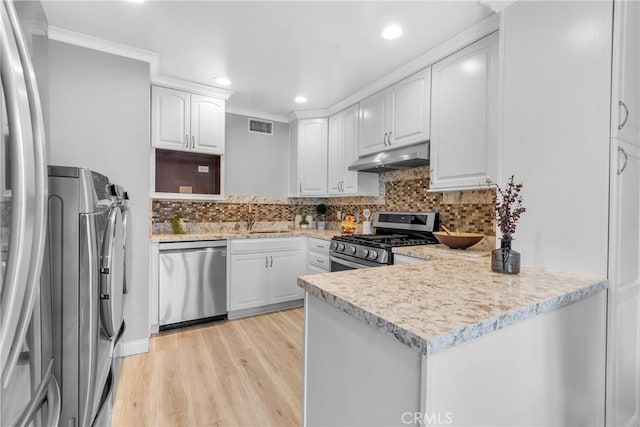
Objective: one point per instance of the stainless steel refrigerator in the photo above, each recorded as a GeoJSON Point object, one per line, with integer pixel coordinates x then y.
{"type": "Point", "coordinates": [29, 392]}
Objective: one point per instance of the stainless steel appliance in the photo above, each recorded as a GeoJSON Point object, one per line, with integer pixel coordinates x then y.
{"type": "Point", "coordinates": [85, 248]}
{"type": "Point", "coordinates": [393, 229]}
{"type": "Point", "coordinates": [193, 282]}
{"type": "Point", "coordinates": [29, 393]}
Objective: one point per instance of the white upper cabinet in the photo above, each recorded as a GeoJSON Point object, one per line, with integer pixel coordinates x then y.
{"type": "Point", "coordinates": [343, 151]}
{"type": "Point", "coordinates": [464, 117]}
{"type": "Point", "coordinates": [311, 156]}
{"type": "Point", "coordinates": [187, 122]}
{"type": "Point", "coordinates": [396, 116]}
{"type": "Point", "coordinates": [171, 126]}
{"type": "Point", "coordinates": [625, 120]}
{"type": "Point", "coordinates": [373, 124]}
{"type": "Point", "coordinates": [410, 103]}
{"type": "Point", "coordinates": [207, 124]}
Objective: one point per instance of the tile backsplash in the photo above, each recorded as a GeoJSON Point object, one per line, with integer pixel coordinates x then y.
{"type": "Point", "coordinates": [403, 191]}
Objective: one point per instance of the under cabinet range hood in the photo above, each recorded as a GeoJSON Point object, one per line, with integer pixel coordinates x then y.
{"type": "Point", "coordinates": [399, 158]}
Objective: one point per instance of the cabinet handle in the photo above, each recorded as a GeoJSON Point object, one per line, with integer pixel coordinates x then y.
{"type": "Point", "coordinates": [300, 188]}
{"type": "Point", "coordinates": [626, 115]}
{"type": "Point", "coordinates": [193, 142]}
{"type": "Point", "coordinates": [389, 139]}
{"type": "Point", "coordinates": [384, 139]}
{"type": "Point", "coordinates": [271, 262]}
{"type": "Point", "coordinates": [186, 141]}
{"type": "Point", "coordinates": [266, 262]}
{"type": "Point", "coordinates": [320, 246]}
{"type": "Point", "coordinates": [626, 159]}
{"type": "Point", "coordinates": [319, 261]}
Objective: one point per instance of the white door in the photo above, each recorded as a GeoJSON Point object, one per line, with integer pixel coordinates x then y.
{"type": "Point", "coordinates": [284, 269]}
{"type": "Point", "coordinates": [248, 286]}
{"type": "Point", "coordinates": [207, 124]}
{"type": "Point", "coordinates": [373, 124]}
{"type": "Point", "coordinates": [312, 157]}
{"type": "Point", "coordinates": [170, 119]}
{"type": "Point", "coordinates": [463, 116]}
{"type": "Point", "coordinates": [623, 376]}
{"type": "Point", "coordinates": [335, 161]}
{"type": "Point", "coordinates": [626, 71]}
{"type": "Point", "coordinates": [350, 150]}
{"type": "Point", "coordinates": [410, 109]}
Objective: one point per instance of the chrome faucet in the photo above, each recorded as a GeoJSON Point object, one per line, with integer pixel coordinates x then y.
{"type": "Point", "coordinates": [251, 218]}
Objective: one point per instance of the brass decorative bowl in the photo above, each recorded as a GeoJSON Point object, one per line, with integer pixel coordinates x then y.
{"type": "Point", "coordinates": [458, 239]}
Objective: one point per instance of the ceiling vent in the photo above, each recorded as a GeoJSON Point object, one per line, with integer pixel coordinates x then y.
{"type": "Point", "coordinates": [260, 126]}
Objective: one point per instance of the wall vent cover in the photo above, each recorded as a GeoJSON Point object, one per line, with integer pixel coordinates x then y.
{"type": "Point", "coordinates": [260, 126]}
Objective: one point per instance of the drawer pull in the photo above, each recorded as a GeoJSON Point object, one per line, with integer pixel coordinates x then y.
{"type": "Point", "coordinates": [320, 261]}
{"type": "Point", "coordinates": [320, 246]}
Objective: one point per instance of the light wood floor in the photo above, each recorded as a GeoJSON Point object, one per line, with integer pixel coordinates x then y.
{"type": "Point", "coordinates": [236, 373]}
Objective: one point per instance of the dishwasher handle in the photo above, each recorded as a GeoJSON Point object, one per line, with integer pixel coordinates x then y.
{"type": "Point", "coordinates": [193, 251]}
{"type": "Point", "coordinates": [204, 244]}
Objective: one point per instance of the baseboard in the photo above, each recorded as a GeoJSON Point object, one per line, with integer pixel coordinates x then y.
{"type": "Point", "coordinates": [238, 314]}
{"type": "Point", "coordinates": [129, 348]}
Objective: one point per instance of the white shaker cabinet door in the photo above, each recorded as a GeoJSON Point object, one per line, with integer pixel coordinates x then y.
{"type": "Point", "coordinates": [312, 157]}
{"type": "Point", "coordinates": [464, 117]}
{"type": "Point", "coordinates": [350, 150]}
{"type": "Point", "coordinates": [410, 110]}
{"type": "Point", "coordinates": [248, 286]}
{"type": "Point", "coordinates": [170, 119]}
{"type": "Point", "coordinates": [284, 269]}
{"type": "Point", "coordinates": [373, 124]}
{"type": "Point", "coordinates": [623, 370]}
{"type": "Point", "coordinates": [207, 124]}
{"type": "Point", "coordinates": [625, 121]}
{"type": "Point", "coordinates": [335, 162]}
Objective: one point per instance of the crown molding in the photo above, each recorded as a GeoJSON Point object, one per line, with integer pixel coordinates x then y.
{"type": "Point", "coordinates": [496, 6]}
{"type": "Point", "coordinates": [193, 87]}
{"type": "Point", "coordinates": [102, 45]}
{"type": "Point", "coordinates": [308, 114]}
{"type": "Point", "coordinates": [144, 55]}
{"type": "Point", "coordinates": [257, 114]}
{"type": "Point", "coordinates": [482, 29]}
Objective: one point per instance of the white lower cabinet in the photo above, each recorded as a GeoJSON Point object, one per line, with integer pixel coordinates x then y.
{"type": "Point", "coordinates": [263, 272]}
{"type": "Point", "coordinates": [318, 256]}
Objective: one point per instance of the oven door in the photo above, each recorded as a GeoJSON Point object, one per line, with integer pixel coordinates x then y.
{"type": "Point", "coordinates": [341, 262]}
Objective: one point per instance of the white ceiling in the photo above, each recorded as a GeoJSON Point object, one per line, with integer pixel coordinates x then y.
{"type": "Point", "coordinates": [273, 51]}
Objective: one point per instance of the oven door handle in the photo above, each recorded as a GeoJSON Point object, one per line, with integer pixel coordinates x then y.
{"type": "Point", "coordinates": [346, 263]}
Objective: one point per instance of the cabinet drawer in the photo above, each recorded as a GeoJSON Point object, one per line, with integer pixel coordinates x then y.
{"type": "Point", "coordinates": [319, 245]}
{"type": "Point", "coordinates": [319, 260]}
{"type": "Point", "coordinates": [240, 246]}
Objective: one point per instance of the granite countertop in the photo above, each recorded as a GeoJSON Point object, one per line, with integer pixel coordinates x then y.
{"type": "Point", "coordinates": [225, 235]}
{"type": "Point", "coordinates": [437, 252]}
{"type": "Point", "coordinates": [433, 306]}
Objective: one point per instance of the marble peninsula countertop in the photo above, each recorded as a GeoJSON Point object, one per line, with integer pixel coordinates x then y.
{"type": "Point", "coordinates": [432, 306]}
{"type": "Point", "coordinates": [226, 235]}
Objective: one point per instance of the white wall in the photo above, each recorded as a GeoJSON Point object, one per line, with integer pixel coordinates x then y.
{"type": "Point", "coordinates": [256, 164]}
{"type": "Point", "coordinates": [555, 129]}
{"type": "Point", "coordinates": [99, 118]}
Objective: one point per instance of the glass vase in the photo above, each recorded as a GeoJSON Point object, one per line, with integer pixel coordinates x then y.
{"type": "Point", "coordinates": [504, 259]}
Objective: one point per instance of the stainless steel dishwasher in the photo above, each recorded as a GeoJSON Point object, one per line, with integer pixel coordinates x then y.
{"type": "Point", "coordinates": [193, 282]}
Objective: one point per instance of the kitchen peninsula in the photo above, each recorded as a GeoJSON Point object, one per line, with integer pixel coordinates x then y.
{"type": "Point", "coordinates": [447, 341]}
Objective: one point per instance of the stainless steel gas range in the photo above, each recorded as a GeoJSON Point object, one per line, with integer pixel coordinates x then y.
{"type": "Point", "coordinates": [393, 229]}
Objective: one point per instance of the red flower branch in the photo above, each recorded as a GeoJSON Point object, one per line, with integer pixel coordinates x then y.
{"type": "Point", "coordinates": [508, 202]}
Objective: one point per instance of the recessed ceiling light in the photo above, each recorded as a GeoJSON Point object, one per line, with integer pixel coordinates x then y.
{"type": "Point", "coordinates": [391, 32]}
{"type": "Point", "coordinates": [137, 1]}
{"type": "Point", "coordinates": [223, 81]}
{"type": "Point", "coordinates": [300, 99]}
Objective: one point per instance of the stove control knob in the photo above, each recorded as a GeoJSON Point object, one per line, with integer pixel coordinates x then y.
{"type": "Point", "coordinates": [352, 249]}
{"type": "Point", "coordinates": [340, 247]}
{"type": "Point", "coordinates": [373, 254]}
{"type": "Point", "coordinates": [365, 252]}
{"type": "Point", "coordinates": [333, 246]}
